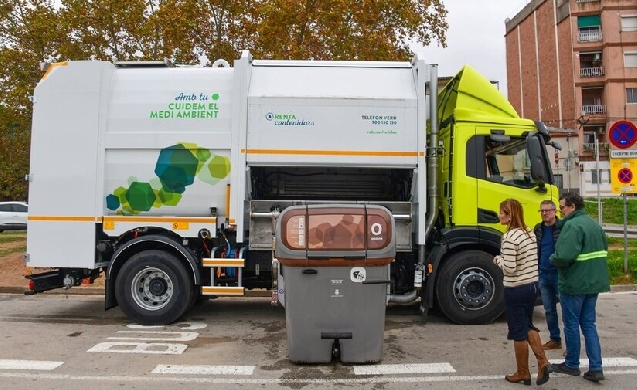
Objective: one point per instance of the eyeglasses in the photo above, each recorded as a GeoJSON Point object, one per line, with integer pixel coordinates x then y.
{"type": "Point", "coordinates": [562, 207]}
{"type": "Point", "coordinates": [545, 211]}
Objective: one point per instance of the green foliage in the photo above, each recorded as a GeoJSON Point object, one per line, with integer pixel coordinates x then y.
{"type": "Point", "coordinates": [619, 241]}
{"type": "Point", "coordinates": [616, 267]}
{"type": "Point", "coordinates": [613, 209]}
{"type": "Point", "coordinates": [13, 236]}
{"type": "Point", "coordinates": [34, 31]}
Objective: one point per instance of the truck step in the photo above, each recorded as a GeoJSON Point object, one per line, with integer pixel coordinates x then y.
{"type": "Point", "coordinates": [222, 291]}
{"type": "Point", "coordinates": [223, 262]}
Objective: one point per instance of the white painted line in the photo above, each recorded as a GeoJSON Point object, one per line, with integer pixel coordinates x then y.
{"type": "Point", "coordinates": [261, 381]}
{"type": "Point", "coordinates": [394, 369]}
{"type": "Point", "coordinates": [203, 370]}
{"type": "Point", "coordinates": [160, 336]}
{"type": "Point", "coordinates": [9, 364]}
{"type": "Point", "coordinates": [152, 348]}
{"type": "Point", "coordinates": [606, 362]}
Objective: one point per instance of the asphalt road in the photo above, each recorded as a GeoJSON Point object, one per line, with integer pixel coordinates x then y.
{"type": "Point", "coordinates": [53, 341]}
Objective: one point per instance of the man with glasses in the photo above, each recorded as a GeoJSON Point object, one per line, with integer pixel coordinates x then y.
{"type": "Point", "coordinates": [547, 234]}
{"type": "Point", "coordinates": [580, 258]}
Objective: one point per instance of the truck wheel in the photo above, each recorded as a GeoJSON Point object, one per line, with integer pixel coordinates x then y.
{"type": "Point", "coordinates": [469, 288]}
{"type": "Point", "coordinates": [154, 288]}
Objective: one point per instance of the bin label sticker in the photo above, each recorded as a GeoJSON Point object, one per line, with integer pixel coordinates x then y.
{"type": "Point", "coordinates": [357, 274]}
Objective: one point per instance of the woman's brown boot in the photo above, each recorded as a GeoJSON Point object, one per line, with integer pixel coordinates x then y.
{"type": "Point", "coordinates": [542, 361]}
{"type": "Point", "coordinates": [522, 359]}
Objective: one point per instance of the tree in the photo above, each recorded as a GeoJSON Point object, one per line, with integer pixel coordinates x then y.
{"type": "Point", "coordinates": [27, 36]}
{"type": "Point", "coordinates": [106, 29]}
{"type": "Point", "coordinates": [347, 29]}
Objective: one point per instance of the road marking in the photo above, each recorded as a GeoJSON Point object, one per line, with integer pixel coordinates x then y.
{"type": "Point", "coordinates": [606, 362]}
{"type": "Point", "coordinates": [154, 348]}
{"type": "Point", "coordinates": [203, 370]}
{"type": "Point", "coordinates": [9, 364]}
{"type": "Point", "coordinates": [162, 336]}
{"type": "Point", "coordinates": [393, 369]}
{"type": "Point", "coordinates": [285, 382]}
{"type": "Point", "coordinates": [183, 325]}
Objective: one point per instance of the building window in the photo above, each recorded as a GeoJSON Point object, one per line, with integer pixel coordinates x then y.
{"type": "Point", "coordinates": [590, 28]}
{"type": "Point", "coordinates": [558, 179]}
{"type": "Point", "coordinates": [604, 173]}
{"type": "Point", "coordinates": [630, 59]}
{"type": "Point", "coordinates": [629, 23]}
{"type": "Point", "coordinates": [631, 95]}
{"type": "Point", "coordinates": [591, 64]}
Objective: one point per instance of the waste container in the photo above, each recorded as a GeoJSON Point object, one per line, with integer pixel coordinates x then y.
{"type": "Point", "coordinates": [335, 266]}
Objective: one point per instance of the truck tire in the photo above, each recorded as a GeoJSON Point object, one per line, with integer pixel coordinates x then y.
{"type": "Point", "coordinates": [469, 289]}
{"type": "Point", "coordinates": [154, 288]}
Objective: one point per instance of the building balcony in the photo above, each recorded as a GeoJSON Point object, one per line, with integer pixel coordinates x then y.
{"type": "Point", "coordinates": [588, 148]}
{"type": "Point", "coordinates": [591, 72]}
{"type": "Point", "coordinates": [589, 36]}
{"type": "Point", "coordinates": [594, 109]}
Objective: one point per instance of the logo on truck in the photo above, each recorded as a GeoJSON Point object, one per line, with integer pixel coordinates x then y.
{"type": "Point", "coordinates": [190, 105]}
{"type": "Point", "coordinates": [176, 168]}
{"type": "Point", "coordinates": [287, 120]}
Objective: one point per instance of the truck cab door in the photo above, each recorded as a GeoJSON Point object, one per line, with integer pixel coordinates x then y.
{"type": "Point", "coordinates": [503, 171]}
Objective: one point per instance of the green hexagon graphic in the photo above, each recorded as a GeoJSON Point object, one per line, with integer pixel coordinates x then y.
{"type": "Point", "coordinates": [219, 167]}
{"type": "Point", "coordinates": [176, 168]}
{"type": "Point", "coordinates": [140, 196]}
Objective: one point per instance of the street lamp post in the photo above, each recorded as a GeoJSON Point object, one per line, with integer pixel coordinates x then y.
{"type": "Point", "coordinates": [599, 201]}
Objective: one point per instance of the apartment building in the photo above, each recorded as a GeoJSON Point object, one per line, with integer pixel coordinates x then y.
{"type": "Point", "coordinates": [573, 65]}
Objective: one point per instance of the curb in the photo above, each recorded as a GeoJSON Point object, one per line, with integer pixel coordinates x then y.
{"type": "Point", "coordinates": [623, 287]}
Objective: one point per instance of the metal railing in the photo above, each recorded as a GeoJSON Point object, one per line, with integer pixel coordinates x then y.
{"type": "Point", "coordinates": [590, 147]}
{"type": "Point", "coordinates": [589, 36]}
{"type": "Point", "coordinates": [587, 1]}
{"type": "Point", "coordinates": [594, 109]}
{"type": "Point", "coordinates": [592, 72]}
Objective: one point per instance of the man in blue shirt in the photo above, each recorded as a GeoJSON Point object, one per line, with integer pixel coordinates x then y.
{"type": "Point", "coordinates": [547, 233]}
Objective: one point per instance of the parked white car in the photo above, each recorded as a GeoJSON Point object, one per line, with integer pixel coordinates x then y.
{"type": "Point", "coordinates": [13, 216]}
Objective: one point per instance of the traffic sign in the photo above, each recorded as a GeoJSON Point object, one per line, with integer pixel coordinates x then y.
{"type": "Point", "coordinates": [617, 153]}
{"type": "Point", "coordinates": [622, 174]}
{"type": "Point", "coordinates": [625, 175]}
{"type": "Point", "coordinates": [622, 134]}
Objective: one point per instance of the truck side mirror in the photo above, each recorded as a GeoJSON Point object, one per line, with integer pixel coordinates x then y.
{"type": "Point", "coordinates": [536, 151]}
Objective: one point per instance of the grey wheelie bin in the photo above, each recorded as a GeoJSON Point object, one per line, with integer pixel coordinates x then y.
{"type": "Point", "coordinates": [335, 266]}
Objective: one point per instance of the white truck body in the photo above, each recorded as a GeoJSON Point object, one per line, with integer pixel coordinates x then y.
{"type": "Point", "coordinates": [265, 113]}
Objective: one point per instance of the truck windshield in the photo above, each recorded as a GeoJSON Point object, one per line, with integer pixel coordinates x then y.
{"type": "Point", "coordinates": [508, 162]}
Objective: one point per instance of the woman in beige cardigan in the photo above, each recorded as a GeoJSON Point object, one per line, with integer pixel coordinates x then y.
{"type": "Point", "coordinates": [518, 261]}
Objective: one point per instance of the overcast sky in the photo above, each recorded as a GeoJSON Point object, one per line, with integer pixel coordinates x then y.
{"type": "Point", "coordinates": [475, 37]}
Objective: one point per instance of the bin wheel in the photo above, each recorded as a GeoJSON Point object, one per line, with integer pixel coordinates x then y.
{"type": "Point", "coordinates": [154, 288]}
{"type": "Point", "coordinates": [336, 350]}
{"type": "Point", "coordinates": [469, 288]}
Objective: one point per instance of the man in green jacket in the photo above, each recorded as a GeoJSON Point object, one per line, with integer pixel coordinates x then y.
{"type": "Point", "coordinates": [580, 258]}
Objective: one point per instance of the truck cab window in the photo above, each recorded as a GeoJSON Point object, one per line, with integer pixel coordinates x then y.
{"type": "Point", "coordinates": [500, 162]}
{"type": "Point", "coordinates": [508, 162]}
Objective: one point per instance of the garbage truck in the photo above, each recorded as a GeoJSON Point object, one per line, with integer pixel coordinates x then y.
{"type": "Point", "coordinates": [169, 180]}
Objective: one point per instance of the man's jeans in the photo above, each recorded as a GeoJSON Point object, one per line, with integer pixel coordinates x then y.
{"type": "Point", "coordinates": [579, 311]}
{"type": "Point", "coordinates": [548, 289]}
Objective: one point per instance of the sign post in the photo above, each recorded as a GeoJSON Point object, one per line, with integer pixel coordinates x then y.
{"type": "Point", "coordinates": [623, 135]}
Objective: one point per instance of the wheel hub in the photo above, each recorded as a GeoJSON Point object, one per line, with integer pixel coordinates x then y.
{"type": "Point", "coordinates": [473, 288]}
{"type": "Point", "coordinates": [152, 288]}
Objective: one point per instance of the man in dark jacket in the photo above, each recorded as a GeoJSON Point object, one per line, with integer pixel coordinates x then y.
{"type": "Point", "coordinates": [547, 234]}
{"type": "Point", "coordinates": [580, 258]}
